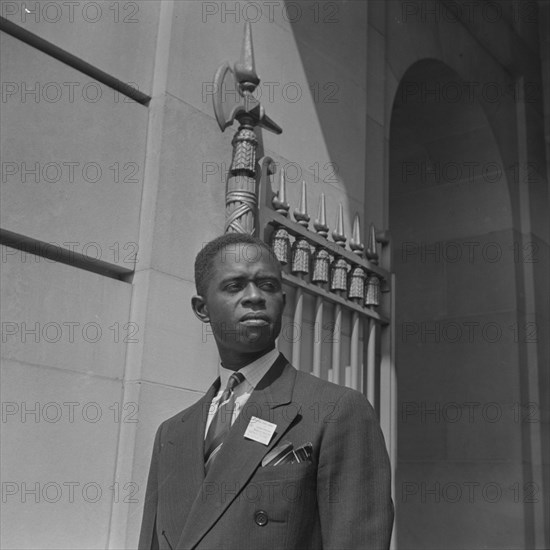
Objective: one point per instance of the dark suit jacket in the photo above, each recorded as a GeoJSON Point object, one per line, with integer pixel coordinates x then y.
{"type": "Point", "coordinates": [339, 501]}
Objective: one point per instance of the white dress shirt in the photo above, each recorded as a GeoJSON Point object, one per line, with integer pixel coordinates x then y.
{"type": "Point", "coordinates": [253, 373]}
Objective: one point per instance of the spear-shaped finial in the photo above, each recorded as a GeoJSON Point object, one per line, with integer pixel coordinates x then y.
{"type": "Point", "coordinates": [279, 200]}
{"type": "Point", "coordinates": [355, 243]}
{"type": "Point", "coordinates": [357, 274]}
{"type": "Point", "coordinates": [301, 250]}
{"type": "Point", "coordinates": [233, 87]}
{"type": "Point", "coordinates": [245, 68]}
{"type": "Point", "coordinates": [339, 271]}
{"type": "Point", "coordinates": [372, 253]}
{"type": "Point", "coordinates": [321, 257]}
{"type": "Point", "coordinates": [300, 214]}
{"type": "Point", "coordinates": [320, 223]}
{"type": "Point", "coordinates": [338, 234]}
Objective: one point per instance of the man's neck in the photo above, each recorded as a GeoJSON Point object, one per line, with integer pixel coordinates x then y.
{"type": "Point", "coordinates": [234, 363]}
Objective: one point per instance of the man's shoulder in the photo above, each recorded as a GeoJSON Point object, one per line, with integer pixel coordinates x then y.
{"type": "Point", "coordinates": [343, 402]}
{"type": "Point", "coordinates": [182, 415]}
{"type": "Point", "coordinates": [310, 385]}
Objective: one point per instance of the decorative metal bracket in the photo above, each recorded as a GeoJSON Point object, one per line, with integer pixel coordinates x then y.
{"type": "Point", "coordinates": [233, 100]}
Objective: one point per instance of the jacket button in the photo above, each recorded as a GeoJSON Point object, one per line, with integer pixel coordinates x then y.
{"type": "Point", "coordinates": [260, 518]}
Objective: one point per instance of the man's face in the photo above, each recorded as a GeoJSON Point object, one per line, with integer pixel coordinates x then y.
{"type": "Point", "coordinates": [244, 302]}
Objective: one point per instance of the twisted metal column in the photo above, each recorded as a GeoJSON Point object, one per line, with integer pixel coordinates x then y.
{"type": "Point", "coordinates": [241, 199]}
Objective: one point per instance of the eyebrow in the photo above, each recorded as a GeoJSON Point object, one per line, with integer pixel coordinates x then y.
{"type": "Point", "coordinates": [256, 277]}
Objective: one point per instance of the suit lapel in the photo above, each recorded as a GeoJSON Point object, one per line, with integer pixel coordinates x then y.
{"type": "Point", "coordinates": [184, 464]}
{"type": "Point", "coordinates": [239, 457]}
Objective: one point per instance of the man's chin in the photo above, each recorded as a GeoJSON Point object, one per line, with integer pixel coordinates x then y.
{"type": "Point", "coordinates": [255, 342]}
{"type": "Point", "coordinates": [250, 338]}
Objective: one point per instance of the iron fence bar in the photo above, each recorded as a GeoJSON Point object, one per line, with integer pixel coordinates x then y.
{"type": "Point", "coordinates": [334, 298]}
{"type": "Point", "coordinates": [336, 340]}
{"type": "Point", "coordinates": [298, 319]}
{"type": "Point", "coordinates": [318, 336]}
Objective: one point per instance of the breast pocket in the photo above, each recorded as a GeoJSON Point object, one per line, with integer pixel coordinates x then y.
{"type": "Point", "coordinates": [285, 471]}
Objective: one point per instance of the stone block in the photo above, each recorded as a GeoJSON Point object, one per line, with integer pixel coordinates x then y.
{"type": "Point", "coordinates": [61, 429]}
{"type": "Point", "coordinates": [179, 350]}
{"type": "Point", "coordinates": [484, 257]}
{"type": "Point", "coordinates": [377, 15]}
{"type": "Point", "coordinates": [457, 211]}
{"type": "Point", "coordinates": [454, 502]}
{"type": "Point", "coordinates": [157, 403]}
{"type": "Point", "coordinates": [73, 158]}
{"type": "Point", "coordinates": [376, 89]}
{"type": "Point", "coordinates": [127, 28]}
{"type": "Point", "coordinates": [195, 158]}
{"type": "Point", "coordinates": [65, 318]}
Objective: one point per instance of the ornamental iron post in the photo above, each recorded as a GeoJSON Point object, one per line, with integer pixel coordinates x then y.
{"type": "Point", "coordinates": [233, 100]}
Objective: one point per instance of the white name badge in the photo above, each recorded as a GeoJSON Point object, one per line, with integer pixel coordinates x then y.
{"type": "Point", "coordinates": [260, 430]}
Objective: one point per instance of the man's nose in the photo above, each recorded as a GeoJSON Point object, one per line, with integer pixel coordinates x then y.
{"type": "Point", "coordinates": [253, 294]}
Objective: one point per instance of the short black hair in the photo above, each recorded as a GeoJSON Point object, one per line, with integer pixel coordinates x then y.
{"type": "Point", "coordinates": [204, 262]}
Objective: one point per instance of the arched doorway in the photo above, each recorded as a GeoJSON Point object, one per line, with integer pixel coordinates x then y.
{"type": "Point", "coordinates": [460, 482]}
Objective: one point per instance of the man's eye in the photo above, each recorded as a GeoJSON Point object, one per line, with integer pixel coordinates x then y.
{"type": "Point", "coordinates": [269, 285]}
{"type": "Point", "coordinates": [233, 287]}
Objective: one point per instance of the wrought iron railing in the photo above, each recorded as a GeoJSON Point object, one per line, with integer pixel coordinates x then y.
{"type": "Point", "coordinates": [350, 280]}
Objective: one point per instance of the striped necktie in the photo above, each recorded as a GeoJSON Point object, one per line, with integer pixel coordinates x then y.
{"type": "Point", "coordinates": [221, 422]}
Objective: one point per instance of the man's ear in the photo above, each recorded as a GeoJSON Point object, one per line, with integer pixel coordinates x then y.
{"type": "Point", "coordinates": [200, 309]}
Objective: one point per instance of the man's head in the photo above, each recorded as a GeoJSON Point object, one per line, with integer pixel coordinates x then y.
{"type": "Point", "coordinates": [254, 249]}
{"type": "Point", "coordinates": [240, 294]}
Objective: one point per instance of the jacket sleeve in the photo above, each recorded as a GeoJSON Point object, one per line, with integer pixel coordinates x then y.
{"type": "Point", "coordinates": [148, 539]}
{"type": "Point", "coordinates": [354, 478]}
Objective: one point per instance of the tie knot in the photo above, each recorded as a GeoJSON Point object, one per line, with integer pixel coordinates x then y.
{"type": "Point", "coordinates": [234, 380]}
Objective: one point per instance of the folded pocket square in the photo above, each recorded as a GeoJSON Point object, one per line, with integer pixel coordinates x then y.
{"type": "Point", "coordinates": [273, 457]}
{"type": "Point", "coordinates": [286, 454]}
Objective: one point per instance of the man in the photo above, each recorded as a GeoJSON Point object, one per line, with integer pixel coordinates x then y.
{"type": "Point", "coordinates": [297, 462]}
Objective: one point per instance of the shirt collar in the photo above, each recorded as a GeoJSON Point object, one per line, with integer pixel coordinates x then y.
{"type": "Point", "coordinates": [253, 372]}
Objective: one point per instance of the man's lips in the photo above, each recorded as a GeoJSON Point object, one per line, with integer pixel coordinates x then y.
{"type": "Point", "coordinates": [255, 319]}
